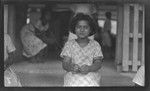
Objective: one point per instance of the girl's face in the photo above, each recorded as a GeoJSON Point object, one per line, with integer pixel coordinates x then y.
{"type": "Point", "coordinates": [82, 29]}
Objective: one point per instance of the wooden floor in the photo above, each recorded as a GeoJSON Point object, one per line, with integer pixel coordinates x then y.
{"type": "Point", "coordinates": [51, 73]}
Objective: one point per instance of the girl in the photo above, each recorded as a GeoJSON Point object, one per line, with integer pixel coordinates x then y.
{"type": "Point", "coordinates": [10, 78]}
{"type": "Point", "coordinates": [82, 56]}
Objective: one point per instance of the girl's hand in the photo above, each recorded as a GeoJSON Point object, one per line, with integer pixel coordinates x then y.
{"type": "Point", "coordinates": [75, 68]}
{"type": "Point", "coordinates": [84, 69]}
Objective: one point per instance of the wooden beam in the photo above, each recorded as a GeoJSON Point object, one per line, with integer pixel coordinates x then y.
{"type": "Point", "coordinates": [5, 18]}
{"type": "Point", "coordinates": [11, 22]}
{"type": "Point", "coordinates": [135, 37]}
{"type": "Point", "coordinates": [139, 35]}
{"type": "Point", "coordinates": [130, 62]}
{"type": "Point", "coordinates": [118, 57]}
{"type": "Point", "coordinates": [143, 41]}
{"type": "Point", "coordinates": [126, 38]}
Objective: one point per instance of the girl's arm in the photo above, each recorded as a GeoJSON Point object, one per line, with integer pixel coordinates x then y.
{"type": "Point", "coordinates": [69, 66]}
{"type": "Point", "coordinates": [97, 64]}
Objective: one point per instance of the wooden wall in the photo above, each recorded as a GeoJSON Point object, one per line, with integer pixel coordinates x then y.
{"type": "Point", "coordinates": [5, 18]}
{"type": "Point", "coordinates": [133, 37]}
{"type": "Point", "coordinates": [11, 22]}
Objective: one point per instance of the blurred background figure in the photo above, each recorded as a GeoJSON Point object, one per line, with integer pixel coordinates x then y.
{"type": "Point", "coordinates": [46, 32]}
{"type": "Point", "coordinates": [33, 46]}
{"type": "Point", "coordinates": [106, 36]}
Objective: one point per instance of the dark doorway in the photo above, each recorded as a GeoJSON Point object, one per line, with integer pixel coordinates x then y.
{"type": "Point", "coordinates": [60, 24]}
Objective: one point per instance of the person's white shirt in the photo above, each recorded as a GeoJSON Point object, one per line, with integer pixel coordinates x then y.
{"type": "Point", "coordinates": [8, 46]}
{"type": "Point", "coordinates": [32, 45]}
{"type": "Point", "coordinates": [140, 76]}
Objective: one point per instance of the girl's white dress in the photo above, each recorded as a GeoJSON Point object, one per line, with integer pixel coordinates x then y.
{"type": "Point", "coordinates": [82, 56]}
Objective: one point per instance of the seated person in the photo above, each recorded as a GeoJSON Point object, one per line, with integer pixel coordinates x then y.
{"type": "Point", "coordinates": [139, 78]}
{"type": "Point", "coordinates": [10, 78]}
{"type": "Point", "coordinates": [33, 46]}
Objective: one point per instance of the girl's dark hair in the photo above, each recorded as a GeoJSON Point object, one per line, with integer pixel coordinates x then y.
{"type": "Point", "coordinates": [79, 17]}
{"type": "Point", "coordinates": [108, 15]}
{"type": "Point", "coordinates": [44, 12]}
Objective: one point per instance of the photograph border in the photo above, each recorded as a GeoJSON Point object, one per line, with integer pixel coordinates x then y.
{"type": "Point", "coordinates": [124, 88]}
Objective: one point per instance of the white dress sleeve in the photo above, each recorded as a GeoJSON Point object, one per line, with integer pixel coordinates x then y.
{"type": "Point", "coordinates": [71, 36]}
{"type": "Point", "coordinates": [98, 52]}
{"type": "Point", "coordinates": [66, 51]}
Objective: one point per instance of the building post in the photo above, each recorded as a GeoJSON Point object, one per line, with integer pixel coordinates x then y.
{"type": "Point", "coordinates": [11, 22]}
{"type": "Point", "coordinates": [118, 59]}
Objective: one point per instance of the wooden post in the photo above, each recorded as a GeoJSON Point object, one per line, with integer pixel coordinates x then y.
{"type": "Point", "coordinates": [143, 41]}
{"type": "Point", "coordinates": [126, 38]}
{"type": "Point", "coordinates": [5, 18]}
{"type": "Point", "coordinates": [118, 59]}
{"type": "Point", "coordinates": [11, 22]}
{"type": "Point", "coordinates": [133, 30]}
{"type": "Point", "coordinates": [135, 38]}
